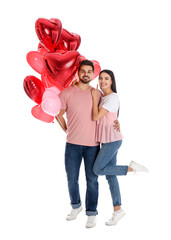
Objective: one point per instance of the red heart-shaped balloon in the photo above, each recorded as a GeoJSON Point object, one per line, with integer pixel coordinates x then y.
{"type": "Point", "coordinates": [62, 67]}
{"type": "Point", "coordinates": [69, 41]}
{"type": "Point", "coordinates": [49, 32]}
{"type": "Point", "coordinates": [48, 81]}
{"type": "Point", "coordinates": [38, 113]}
{"type": "Point", "coordinates": [35, 59]}
{"type": "Point", "coordinates": [34, 88]}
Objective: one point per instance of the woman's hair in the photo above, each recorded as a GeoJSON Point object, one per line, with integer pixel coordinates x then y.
{"type": "Point", "coordinates": [111, 74]}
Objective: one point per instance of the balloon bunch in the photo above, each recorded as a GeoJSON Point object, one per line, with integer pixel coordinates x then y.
{"type": "Point", "coordinates": [57, 60]}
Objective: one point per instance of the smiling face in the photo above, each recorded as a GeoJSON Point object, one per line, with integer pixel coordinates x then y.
{"type": "Point", "coordinates": [85, 74]}
{"type": "Point", "coordinates": [105, 81]}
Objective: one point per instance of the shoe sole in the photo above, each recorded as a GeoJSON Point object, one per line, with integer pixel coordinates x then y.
{"type": "Point", "coordinates": [91, 226]}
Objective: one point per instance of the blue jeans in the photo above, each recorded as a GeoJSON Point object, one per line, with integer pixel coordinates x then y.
{"type": "Point", "coordinates": [73, 158]}
{"type": "Point", "coordinates": [105, 164]}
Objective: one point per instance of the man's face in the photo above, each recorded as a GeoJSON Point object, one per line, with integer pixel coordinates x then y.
{"type": "Point", "coordinates": [85, 74]}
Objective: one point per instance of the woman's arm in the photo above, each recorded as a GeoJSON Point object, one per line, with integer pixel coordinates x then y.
{"type": "Point", "coordinates": [97, 113]}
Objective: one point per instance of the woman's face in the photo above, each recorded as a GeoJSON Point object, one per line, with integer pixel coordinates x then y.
{"type": "Point", "coordinates": [105, 81]}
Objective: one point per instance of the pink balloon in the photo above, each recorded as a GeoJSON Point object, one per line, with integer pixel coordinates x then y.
{"type": "Point", "coordinates": [35, 59]}
{"type": "Point", "coordinates": [38, 113]}
{"type": "Point", "coordinates": [51, 103]}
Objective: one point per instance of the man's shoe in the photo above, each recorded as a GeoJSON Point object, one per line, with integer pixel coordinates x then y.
{"type": "Point", "coordinates": [91, 222]}
{"type": "Point", "coordinates": [73, 214]}
{"type": "Point", "coordinates": [115, 218]}
{"type": "Point", "coordinates": [137, 167]}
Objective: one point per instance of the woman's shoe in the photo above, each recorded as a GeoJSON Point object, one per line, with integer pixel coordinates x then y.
{"type": "Point", "coordinates": [137, 167]}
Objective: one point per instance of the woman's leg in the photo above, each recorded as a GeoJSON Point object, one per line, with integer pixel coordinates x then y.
{"type": "Point", "coordinates": [104, 164]}
{"type": "Point", "coordinates": [114, 185]}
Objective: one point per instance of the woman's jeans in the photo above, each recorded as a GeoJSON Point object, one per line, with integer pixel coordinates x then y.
{"type": "Point", "coordinates": [105, 164]}
{"type": "Point", "coordinates": [73, 158]}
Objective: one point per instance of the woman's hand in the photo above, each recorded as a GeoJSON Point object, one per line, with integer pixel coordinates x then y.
{"type": "Point", "coordinates": [94, 93]}
{"type": "Point", "coordinates": [74, 82]}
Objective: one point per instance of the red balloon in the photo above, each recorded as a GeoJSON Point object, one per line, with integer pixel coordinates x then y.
{"type": "Point", "coordinates": [49, 32]}
{"type": "Point", "coordinates": [69, 41]}
{"type": "Point", "coordinates": [49, 82]}
{"type": "Point", "coordinates": [97, 67]}
{"type": "Point", "coordinates": [40, 46]}
{"type": "Point", "coordinates": [35, 59]}
{"type": "Point", "coordinates": [38, 113]}
{"type": "Point", "coordinates": [34, 88]}
{"type": "Point", "coordinates": [62, 67]}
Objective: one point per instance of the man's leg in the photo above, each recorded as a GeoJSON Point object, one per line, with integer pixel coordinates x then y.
{"type": "Point", "coordinates": [73, 158]}
{"type": "Point", "coordinates": [90, 154]}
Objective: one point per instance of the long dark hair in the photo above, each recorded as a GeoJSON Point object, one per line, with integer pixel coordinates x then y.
{"type": "Point", "coordinates": [111, 74]}
{"type": "Point", "coordinates": [113, 86]}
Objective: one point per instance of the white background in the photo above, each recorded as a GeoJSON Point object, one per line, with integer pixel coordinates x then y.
{"type": "Point", "coordinates": [133, 39]}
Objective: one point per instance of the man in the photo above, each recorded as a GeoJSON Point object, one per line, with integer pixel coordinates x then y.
{"type": "Point", "coordinates": [77, 103]}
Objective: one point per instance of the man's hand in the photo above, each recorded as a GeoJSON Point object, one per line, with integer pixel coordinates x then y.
{"type": "Point", "coordinates": [117, 125]}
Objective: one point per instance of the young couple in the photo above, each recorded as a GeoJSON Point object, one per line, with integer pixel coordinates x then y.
{"type": "Point", "coordinates": [91, 120]}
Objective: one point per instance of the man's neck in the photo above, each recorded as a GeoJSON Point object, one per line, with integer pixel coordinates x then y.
{"type": "Point", "coordinates": [83, 86]}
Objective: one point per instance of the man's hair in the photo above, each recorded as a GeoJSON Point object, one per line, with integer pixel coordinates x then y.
{"type": "Point", "coordinates": [86, 62]}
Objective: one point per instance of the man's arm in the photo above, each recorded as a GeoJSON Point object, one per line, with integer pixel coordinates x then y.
{"type": "Point", "coordinates": [61, 120]}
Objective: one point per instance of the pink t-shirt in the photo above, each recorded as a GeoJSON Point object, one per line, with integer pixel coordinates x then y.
{"type": "Point", "coordinates": [81, 128]}
{"type": "Point", "coordinates": [105, 131]}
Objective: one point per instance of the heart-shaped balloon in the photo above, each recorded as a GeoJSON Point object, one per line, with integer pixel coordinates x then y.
{"type": "Point", "coordinates": [38, 113]}
{"type": "Point", "coordinates": [97, 67]}
{"type": "Point", "coordinates": [48, 81]}
{"type": "Point", "coordinates": [62, 67]}
{"type": "Point", "coordinates": [34, 88]}
{"type": "Point", "coordinates": [49, 32]}
{"type": "Point", "coordinates": [35, 59]}
{"type": "Point", "coordinates": [69, 41]}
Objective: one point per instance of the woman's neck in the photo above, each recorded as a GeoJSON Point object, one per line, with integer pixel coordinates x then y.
{"type": "Point", "coordinates": [107, 92]}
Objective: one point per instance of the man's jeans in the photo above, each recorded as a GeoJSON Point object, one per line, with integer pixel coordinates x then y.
{"type": "Point", "coordinates": [105, 164]}
{"type": "Point", "coordinates": [73, 158]}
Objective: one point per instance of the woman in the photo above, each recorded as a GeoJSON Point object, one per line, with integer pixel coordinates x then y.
{"type": "Point", "coordinates": [111, 140]}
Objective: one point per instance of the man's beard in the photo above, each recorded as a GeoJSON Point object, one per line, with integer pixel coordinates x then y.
{"type": "Point", "coordinates": [85, 81]}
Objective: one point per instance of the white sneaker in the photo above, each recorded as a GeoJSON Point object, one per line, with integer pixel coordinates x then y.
{"type": "Point", "coordinates": [115, 218]}
{"type": "Point", "coordinates": [91, 222]}
{"type": "Point", "coordinates": [73, 214]}
{"type": "Point", "coordinates": [137, 167]}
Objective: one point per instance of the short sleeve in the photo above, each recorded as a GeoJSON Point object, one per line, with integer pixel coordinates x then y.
{"type": "Point", "coordinates": [111, 103]}
{"type": "Point", "coordinates": [63, 98]}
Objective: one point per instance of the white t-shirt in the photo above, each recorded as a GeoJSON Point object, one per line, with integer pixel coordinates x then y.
{"type": "Point", "coordinates": [110, 102]}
